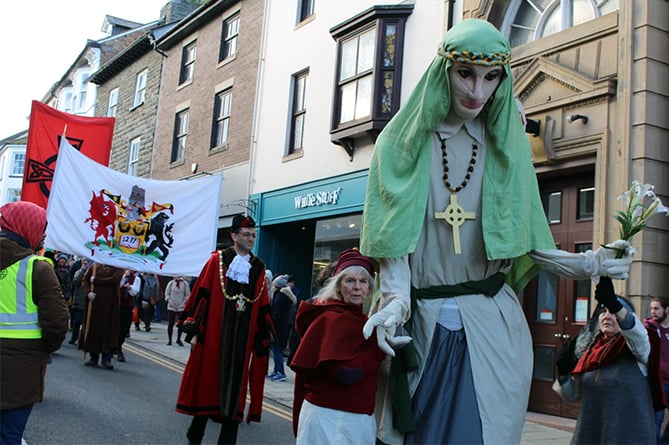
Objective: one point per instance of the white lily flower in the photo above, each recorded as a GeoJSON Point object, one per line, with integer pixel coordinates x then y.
{"type": "Point", "coordinates": [639, 209]}
{"type": "Point", "coordinates": [659, 207]}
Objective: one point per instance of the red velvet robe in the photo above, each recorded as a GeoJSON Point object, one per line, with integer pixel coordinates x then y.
{"type": "Point", "coordinates": [232, 351]}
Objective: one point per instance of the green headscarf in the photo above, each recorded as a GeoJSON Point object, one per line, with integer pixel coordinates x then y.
{"type": "Point", "coordinates": [513, 218]}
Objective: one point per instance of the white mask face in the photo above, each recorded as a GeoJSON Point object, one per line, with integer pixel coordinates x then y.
{"type": "Point", "coordinates": [471, 87]}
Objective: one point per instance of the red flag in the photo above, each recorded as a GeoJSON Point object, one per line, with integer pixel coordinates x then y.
{"type": "Point", "coordinates": [90, 135]}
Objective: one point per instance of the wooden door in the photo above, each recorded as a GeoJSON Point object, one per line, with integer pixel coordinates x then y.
{"type": "Point", "coordinates": [557, 308]}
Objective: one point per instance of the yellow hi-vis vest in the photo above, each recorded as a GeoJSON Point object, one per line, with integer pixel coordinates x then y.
{"type": "Point", "coordinates": [18, 312]}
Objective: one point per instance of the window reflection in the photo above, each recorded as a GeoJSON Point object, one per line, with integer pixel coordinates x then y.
{"type": "Point", "coordinates": [586, 203]}
{"type": "Point", "coordinates": [581, 292]}
{"type": "Point", "coordinates": [534, 19]}
{"type": "Point", "coordinates": [552, 203]}
{"type": "Point", "coordinates": [544, 362]}
{"type": "Point", "coordinates": [546, 297]}
{"type": "Point", "coordinates": [333, 236]}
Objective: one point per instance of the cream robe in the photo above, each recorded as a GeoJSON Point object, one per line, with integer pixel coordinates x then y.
{"type": "Point", "coordinates": [498, 337]}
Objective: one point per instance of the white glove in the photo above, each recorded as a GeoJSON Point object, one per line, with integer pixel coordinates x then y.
{"type": "Point", "coordinates": [386, 321]}
{"type": "Point", "coordinates": [399, 341]}
{"type": "Point", "coordinates": [91, 296]}
{"type": "Point", "coordinates": [608, 265]}
{"type": "Point", "coordinates": [387, 342]}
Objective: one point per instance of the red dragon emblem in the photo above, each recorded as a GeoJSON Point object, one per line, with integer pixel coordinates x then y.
{"type": "Point", "coordinates": [102, 218]}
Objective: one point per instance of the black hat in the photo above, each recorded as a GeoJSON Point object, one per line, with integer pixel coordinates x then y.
{"type": "Point", "coordinates": [240, 221]}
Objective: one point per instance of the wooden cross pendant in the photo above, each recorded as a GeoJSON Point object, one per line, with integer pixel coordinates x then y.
{"type": "Point", "coordinates": [455, 215]}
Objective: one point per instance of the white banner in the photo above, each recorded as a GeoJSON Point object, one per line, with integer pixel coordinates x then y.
{"type": "Point", "coordinates": [147, 225]}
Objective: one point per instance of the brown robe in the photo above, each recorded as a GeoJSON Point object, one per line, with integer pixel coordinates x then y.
{"type": "Point", "coordinates": [100, 331]}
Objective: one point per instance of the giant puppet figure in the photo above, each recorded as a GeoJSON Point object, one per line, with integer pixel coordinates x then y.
{"type": "Point", "coordinates": [454, 216]}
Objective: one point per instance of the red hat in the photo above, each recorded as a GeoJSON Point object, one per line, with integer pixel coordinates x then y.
{"type": "Point", "coordinates": [353, 257]}
{"type": "Point", "coordinates": [25, 219]}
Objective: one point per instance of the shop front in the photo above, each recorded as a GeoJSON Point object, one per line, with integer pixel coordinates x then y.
{"type": "Point", "coordinates": [303, 228]}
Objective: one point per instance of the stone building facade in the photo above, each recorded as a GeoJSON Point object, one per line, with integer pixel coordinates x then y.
{"type": "Point", "coordinates": [117, 85]}
{"type": "Point", "coordinates": [598, 92]}
{"type": "Point", "coordinates": [211, 62]}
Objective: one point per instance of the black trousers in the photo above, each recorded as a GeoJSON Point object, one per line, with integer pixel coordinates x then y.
{"type": "Point", "coordinates": [124, 324]}
{"type": "Point", "coordinates": [228, 434]}
{"type": "Point", "coordinates": [146, 314]}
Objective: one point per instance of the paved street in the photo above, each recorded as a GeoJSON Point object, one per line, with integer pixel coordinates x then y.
{"type": "Point", "coordinates": [133, 404]}
{"type": "Point", "coordinates": [539, 429]}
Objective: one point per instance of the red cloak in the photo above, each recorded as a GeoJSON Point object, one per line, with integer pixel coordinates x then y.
{"type": "Point", "coordinates": [232, 349]}
{"type": "Point", "coordinates": [331, 337]}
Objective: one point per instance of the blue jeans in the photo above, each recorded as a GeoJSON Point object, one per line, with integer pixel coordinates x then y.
{"type": "Point", "coordinates": [12, 424]}
{"type": "Point", "coordinates": [659, 417]}
{"type": "Point", "coordinates": [277, 355]}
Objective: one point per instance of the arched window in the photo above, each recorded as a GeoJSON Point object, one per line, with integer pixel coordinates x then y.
{"type": "Point", "coordinates": [528, 20]}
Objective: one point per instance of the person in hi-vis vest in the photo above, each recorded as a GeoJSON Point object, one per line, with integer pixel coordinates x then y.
{"type": "Point", "coordinates": [33, 315]}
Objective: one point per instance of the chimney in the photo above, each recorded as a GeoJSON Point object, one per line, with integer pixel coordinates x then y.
{"type": "Point", "coordinates": [175, 10]}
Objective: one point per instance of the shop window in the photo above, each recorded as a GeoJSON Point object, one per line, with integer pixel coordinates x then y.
{"type": "Point", "coordinates": [333, 236]}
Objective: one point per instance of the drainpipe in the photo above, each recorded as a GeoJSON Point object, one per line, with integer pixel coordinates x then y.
{"type": "Point", "coordinates": [258, 98]}
{"type": "Point", "coordinates": [451, 5]}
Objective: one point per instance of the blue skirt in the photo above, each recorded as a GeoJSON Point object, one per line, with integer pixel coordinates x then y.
{"type": "Point", "coordinates": [444, 405]}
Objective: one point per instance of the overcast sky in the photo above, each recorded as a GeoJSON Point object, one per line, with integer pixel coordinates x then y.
{"type": "Point", "coordinates": [40, 40]}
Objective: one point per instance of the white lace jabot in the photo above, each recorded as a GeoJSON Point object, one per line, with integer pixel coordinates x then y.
{"type": "Point", "coordinates": [239, 269]}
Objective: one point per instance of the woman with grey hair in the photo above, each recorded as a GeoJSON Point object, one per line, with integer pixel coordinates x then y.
{"type": "Point", "coordinates": [610, 376]}
{"type": "Point", "coordinates": [335, 367]}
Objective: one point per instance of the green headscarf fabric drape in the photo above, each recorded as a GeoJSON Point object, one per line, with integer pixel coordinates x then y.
{"type": "Point", "coordinates": [512, 215]}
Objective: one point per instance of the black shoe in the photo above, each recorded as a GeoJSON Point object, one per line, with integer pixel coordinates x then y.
{"type": "Point", "coordinates": [72, 342]}
{"type": "Point", "coordinates": [120, 357]}
{"type": "Point", "coordinates": [137, 327]}
{"type": "Point", "coordinates": [107, 365]}
{"type": "Point", "coordinates": [192, 440]}
{"type": "Point", "coordinates": [180, 343]}
{"type": "Point", "coordinates": [147, 329]}
{"type": "Point", "coordinates": [91, 363]}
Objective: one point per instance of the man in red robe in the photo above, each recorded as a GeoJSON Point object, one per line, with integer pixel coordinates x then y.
{"type": "Point", "coordinates": [227, 320]}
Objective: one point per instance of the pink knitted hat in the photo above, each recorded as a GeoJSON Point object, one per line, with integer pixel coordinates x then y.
{"type": "Point", "coordinates": [24, 218]}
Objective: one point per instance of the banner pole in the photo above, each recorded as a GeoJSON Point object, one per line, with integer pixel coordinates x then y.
{"type": "Point", "coordinates": [89, 309]}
